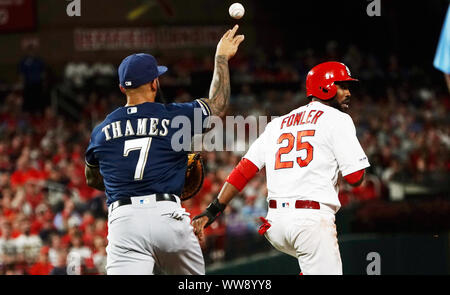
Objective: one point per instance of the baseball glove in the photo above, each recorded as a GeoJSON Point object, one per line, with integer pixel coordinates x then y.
{"type": "Point", "coordinates": [195, 175]}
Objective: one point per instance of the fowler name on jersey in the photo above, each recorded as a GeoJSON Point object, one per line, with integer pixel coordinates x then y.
{"type": "Point", "coordinates": [300, 118]}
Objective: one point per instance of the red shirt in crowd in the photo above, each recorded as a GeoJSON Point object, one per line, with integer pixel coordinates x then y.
{"type": "Point", "coordinates": [41, 268]}
{"type": "Point", "coordinates": [20, 177]}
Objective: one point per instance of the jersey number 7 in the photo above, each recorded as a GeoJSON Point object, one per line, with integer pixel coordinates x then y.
{"type": "Point", "coordinates": [143, 145]}
{"type": "Point", "coordinates": [301, 145]}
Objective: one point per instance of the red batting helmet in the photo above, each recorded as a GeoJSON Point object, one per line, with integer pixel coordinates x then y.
{"type": "Point", "coordinates": [320, 79]}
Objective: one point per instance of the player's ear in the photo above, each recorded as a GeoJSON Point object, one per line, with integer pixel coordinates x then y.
{"type": "Point", "coordinates": [122, 89]}
{"type": "Point", "coordinates": [154, 84]}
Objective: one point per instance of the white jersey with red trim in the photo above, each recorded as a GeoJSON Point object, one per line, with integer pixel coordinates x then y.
{"type": "Point", "coordinates": [304, 151]}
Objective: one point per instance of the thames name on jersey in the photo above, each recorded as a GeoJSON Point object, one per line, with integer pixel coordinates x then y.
{"type": "Point", "coordinates": [142, 127]}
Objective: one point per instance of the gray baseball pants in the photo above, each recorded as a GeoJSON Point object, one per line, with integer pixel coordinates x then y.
{"type": "Point", "coordinates": [143, 238]}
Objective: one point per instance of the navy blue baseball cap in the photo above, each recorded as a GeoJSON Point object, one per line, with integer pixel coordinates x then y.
{"type": "Point", "coordinates": [138, 69]}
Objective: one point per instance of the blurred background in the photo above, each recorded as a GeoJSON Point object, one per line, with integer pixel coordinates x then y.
{"type": "Point", "coordinates": [58, 79]}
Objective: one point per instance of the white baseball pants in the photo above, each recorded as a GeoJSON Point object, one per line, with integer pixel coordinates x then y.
{"type": "Point", "coordinates": [307, 234]}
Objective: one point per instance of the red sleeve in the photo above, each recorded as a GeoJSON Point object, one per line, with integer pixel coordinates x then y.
{"type": "Point", "coordinates": [242, 174]}
{"type": "Point", "coordinates": [354, 177]}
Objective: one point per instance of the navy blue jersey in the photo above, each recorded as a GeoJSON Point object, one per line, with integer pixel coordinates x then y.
{"type": "Point", "coordinates": [134, 150]}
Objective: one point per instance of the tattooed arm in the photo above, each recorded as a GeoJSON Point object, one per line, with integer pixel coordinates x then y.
{"type": "Point", "coordinates": [219, 92]}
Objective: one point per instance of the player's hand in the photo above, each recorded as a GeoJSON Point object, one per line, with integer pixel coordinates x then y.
{"type": "Point", "coordinates": [229, 43]}
{"type": "Point", "coordinates": [199, 225]}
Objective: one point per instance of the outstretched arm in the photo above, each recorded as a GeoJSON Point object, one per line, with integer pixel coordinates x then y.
{"type": "Point", "coordinates": [235, 183]}
{"type": "Point", "coordinates": [219, 92]}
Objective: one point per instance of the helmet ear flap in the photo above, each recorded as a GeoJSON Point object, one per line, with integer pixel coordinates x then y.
{"type": "Point", "coordinates": [328, 91]}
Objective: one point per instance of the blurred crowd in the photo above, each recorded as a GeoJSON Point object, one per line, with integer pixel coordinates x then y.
{"type": "Point", "coordinates": [51, 222]}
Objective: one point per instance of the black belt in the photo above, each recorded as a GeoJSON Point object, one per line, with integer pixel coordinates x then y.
{"type": "Point", "coordinates": [127, 201]}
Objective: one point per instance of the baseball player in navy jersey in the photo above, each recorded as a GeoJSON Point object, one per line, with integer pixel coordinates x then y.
{"type": "Point", "coordinates": [303, 153]}
{"type": "Point", "coordinates": [130, 156]}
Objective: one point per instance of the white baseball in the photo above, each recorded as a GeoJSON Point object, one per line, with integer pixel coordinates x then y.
{"type": "Point", "coordinates": [236, 10]}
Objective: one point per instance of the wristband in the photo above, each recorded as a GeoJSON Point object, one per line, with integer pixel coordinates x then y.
{"type": "Point", "coordinates": [212, 212]}
{"type": "Point", "coordinates": [215, 208]}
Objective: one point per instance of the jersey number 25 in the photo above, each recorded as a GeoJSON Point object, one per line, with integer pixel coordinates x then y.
{"type": "Point", "coordinates": [301, 145]}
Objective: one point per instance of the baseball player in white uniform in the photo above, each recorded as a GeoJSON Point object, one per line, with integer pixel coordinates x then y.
{"type": "Point", "coordinates": [303, 153]}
